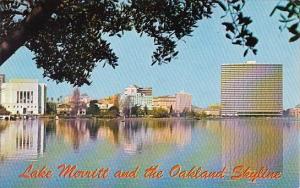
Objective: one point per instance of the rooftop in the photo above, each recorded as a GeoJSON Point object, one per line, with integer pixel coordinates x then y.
{"type": "Point", "coordinates": [250, 62]}
{"type": "Point", "coordinates": [23, 81]}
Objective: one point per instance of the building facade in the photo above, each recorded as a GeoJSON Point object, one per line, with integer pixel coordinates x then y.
{"type": "Point", "coordinates": [136, 96]}
{"type": "Point", "coordinates": [75, 104]}
{"type": "Point", "coordinates": [64, 109]}
{"type": "Point", "coordinates": [2, 80]}
{"type": "Point", "coordinates": [166, 102]}
{"type": "Point", "coordinates": [24, 97]}
{"type": "Point", "coordinates": [251, 89]}
{"type": "Point", "coordinates": [294, 112]}
{"type": "Point", "coordinates": [183, 102]}
{"type": "Point", "coordinates": [108, 102]}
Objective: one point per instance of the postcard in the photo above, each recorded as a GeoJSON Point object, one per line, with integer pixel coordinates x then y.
{"type": "Point", "coordinates": [150, 93]}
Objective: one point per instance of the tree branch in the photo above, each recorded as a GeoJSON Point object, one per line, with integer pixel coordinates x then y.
{"type": "Point", "coordinates": [29, 26]}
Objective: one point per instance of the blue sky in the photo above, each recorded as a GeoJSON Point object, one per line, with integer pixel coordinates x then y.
{"type": "Point", "coordinates": [196, 69]}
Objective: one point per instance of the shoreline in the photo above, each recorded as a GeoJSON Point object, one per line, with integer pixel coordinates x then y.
{"type": "Point", "coordinates": [51, 117]}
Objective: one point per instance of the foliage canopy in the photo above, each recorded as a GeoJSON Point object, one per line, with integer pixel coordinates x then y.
{"type": "Point", "coordinates": [69, 38]}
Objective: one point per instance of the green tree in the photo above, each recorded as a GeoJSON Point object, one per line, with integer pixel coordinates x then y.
{"type": "Point", "coordinates": [171, 110]}
{"type": "Point", "coordinates": [201, 115]}
{"type": "Point", "coordinates": [160, 113]}
{"type": "Point", "coordinates": [135, 110]}
{"type": "Point", "coordinates": [114, 110]}
{"type": "Point", "coordinates": [3, 111]}
{"type": "Point", "coordinates": [51, 108]}
{"type": "Point", "coordinates": [93, 108]}
{"type": "Point", "coordinates": [68, 38]}
{"type": "Point", "coordinates": [145, 110]}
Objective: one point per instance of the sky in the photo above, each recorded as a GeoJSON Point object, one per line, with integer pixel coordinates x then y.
{"type": "Point", "coordinates": [197, 68]}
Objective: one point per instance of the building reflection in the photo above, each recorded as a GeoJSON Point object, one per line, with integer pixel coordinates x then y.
{"type": "Point", "coordinates": [136, 135]}
{"type": "Point", "coordinates": [73, 132]}
{"type": "Point", "coordinates": [22, 140]}
{"type": "Point", "coordinates": [254, 143]}
{"type": "Point", "coordinates": [131, 135]}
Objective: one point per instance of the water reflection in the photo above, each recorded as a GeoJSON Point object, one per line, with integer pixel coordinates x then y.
{"type": "Point", "coordinates": [22, 140]}
{"type": "Point", "coordinates": [254, 143]}
{"type": "Point", "coordinates": [273, 143]}
{"type": "Point", "coordinates": [132, 136]}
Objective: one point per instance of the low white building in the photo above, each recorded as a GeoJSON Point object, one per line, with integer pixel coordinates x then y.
{"type": "Point", "coordinates": [24, 97]}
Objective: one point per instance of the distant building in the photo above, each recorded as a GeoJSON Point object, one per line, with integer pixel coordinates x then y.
{"type": "Point", "coordinates": [213, 110]}
{"type": "Point", "coordinates": [133, 89]}
{"type": "Point", "coordinates": [78, 103]}
{"type": "Point", "coordinates": [166, 102]}
{"type": "Point", "coordinates": [183, 102]}
{"type": "Point", "coordinates": [64, 109]}
{"type": "Point", "coordinates": [294, 112]}
{"type": "Point", "coordinates": [108, 102]}
{"type": "Point", "coordinates": [136, 96]}
{"type": "Point", "coordinates": [85, 98]}
{"type": "Point", "coordinates": [24, 97]}
{"type": "Point", "coordinates": [75, 104]}
{"type": "Point", "coordinates": [251, 89]}
{"type": "Point", "coordinates": [2, 80]}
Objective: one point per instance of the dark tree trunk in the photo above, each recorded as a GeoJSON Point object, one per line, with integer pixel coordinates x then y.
{"type": "Point", "coordinates": [28, 28]}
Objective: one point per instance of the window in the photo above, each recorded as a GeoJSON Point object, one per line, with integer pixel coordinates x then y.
{"type": "Point", "coordinates": [24, 98]}
{"type": "Point", "coordinates": [31, 96]}
{"type": "Point", "coordinates": [21, 96]}
{"type": "Point", "coordinates": [28, 97]}
{"type": "Point", "coordinates": [17, 96]}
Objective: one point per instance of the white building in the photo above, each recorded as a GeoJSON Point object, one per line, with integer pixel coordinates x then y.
{"type": "Point", "coordinates": [2, 80]}
{"type": "Point", "coordinates": [24, 97]}
{"type": "Point", "coordinates": [136, 96]}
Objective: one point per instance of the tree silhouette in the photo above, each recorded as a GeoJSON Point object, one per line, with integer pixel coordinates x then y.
{"type": "Point", "coordinates": [93, 108]}
{"type": "Point", "coordinates": [68, 38]}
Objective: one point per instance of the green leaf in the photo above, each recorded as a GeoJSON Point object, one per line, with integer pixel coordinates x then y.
{"type": "Point", "coordinates": [282, 8]}
{"type": "Point", "coordinates": [293, 29]}
{"type": "Point", "coordinates": [273, 11]}
{"type": "Point", "coordinates": [254, 51]}
{"type": "Point", "coordinates": [246, 52]}
{"type": "Point", "coordinates": [229, 26]}
{"type": "Point", "coordinates": [221, 4]}
{"type": "Point", "coordinates": [294, 38]}
{"type": "Point", "coordinates": [228, 36]}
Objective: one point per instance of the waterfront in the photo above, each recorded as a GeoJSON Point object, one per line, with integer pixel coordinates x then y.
{"type": "Point", "coordinates": [211, 144]}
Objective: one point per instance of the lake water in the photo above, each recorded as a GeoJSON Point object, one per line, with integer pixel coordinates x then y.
{"type": "Point", "coordinates": [211, 144]}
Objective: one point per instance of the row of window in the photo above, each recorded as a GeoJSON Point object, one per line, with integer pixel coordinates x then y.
{"type": "Point", "coordinates": [24, 96]}
{"type": "Point", "coordinates": [22, 107]}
